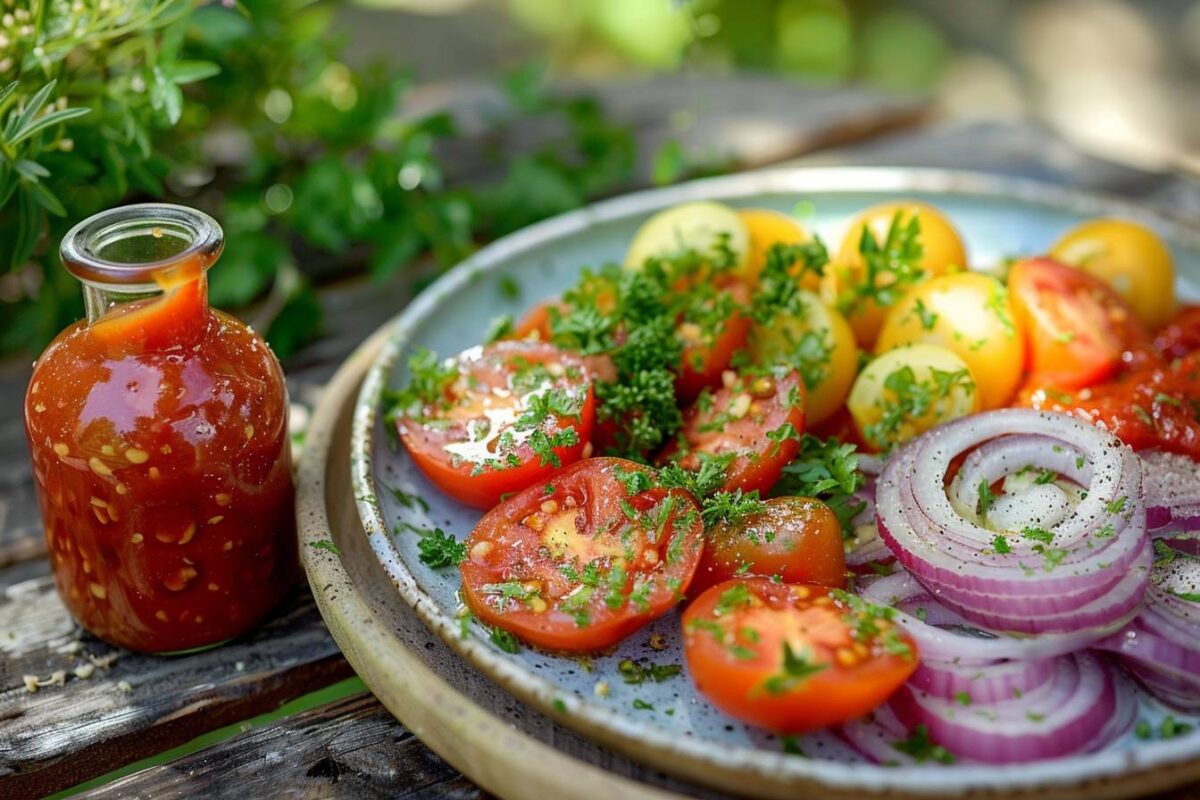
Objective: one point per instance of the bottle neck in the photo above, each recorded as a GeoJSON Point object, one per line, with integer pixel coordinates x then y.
{"type": "Point", "coordinates": [101, 301]}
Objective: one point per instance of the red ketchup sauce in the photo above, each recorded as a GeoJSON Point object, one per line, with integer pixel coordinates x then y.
{"type": "Point", "coordinates": [158, 433]}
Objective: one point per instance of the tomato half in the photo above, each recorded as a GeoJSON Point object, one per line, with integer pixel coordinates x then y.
{"type": "Point", "coordinates": [796, 539]}
{"type": "Point", "coordinates": [1181, 335]}
{"type": "Point", "coordinates": [1152, 407]}
{"type": "Point", "coordinates": [579, 563]}
{"type": "Point", "coordinates": [745, 420]}
{"type": "Point", "coordinates": [706, 354]}
{"type": "Point", "coordinates": [536, 322]}
{"type": "Point", "coordinates": [1079, 331]}
{"type": "Point", "coordinates": [793, 657]}
{"type": "Point", "coordinates": [511, 415]}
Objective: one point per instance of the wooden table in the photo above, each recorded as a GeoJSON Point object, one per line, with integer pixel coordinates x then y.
{"type": "Point", "coordinates": [100, 708]}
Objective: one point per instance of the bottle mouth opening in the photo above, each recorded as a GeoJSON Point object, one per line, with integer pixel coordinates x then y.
{"type": "Point", "coordinates": [130, 245]}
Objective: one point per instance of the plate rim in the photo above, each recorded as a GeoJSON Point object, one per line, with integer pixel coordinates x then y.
{"type": "Point", "coordinates": [592, 718]}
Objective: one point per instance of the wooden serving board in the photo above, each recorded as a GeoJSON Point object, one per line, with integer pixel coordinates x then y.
{"type": "Point", "coordinates": [505, 746]}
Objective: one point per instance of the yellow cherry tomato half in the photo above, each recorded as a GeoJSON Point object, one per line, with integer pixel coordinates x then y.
{"type": "Point", "coordinates": [970, 315]}
{"type": "Point", "coordinates": [907, 391]}
{"type": "Point", "coordinates": [818, 343]}
{"type": "Point", "coordinates": [766, 228]}
{"type": "Point", "coordinates": [1129, 257]}
{"type": "Point", "coordinates": [942, 251]}
{"type": "Point", "coordinates": [699, 226]}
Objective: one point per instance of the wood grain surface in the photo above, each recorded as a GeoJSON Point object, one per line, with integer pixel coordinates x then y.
{"type": "Point", "coordinates": [349, 749]}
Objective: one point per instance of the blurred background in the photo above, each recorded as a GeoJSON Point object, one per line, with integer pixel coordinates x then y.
{"type": "Point", "coordinates": [1117, 77]}
{"type": "Point", "coordinates": [392, 137]}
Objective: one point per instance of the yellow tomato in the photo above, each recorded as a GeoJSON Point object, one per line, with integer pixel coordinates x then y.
{"type": "Point", "coordinates": [942, 251]}
{"type": "Point", "coordinates": [696, 226]}
{"type": "Point", "coordinates": [907, 391]}
{"type": "Point", "coordinates": [1129, 257]}
{"type": "Point", "coordinates": [766, 228]}
{"type": "Point", "coordinates": [820, 344]}
{"type": "Point", "coordinates": [970, 315]}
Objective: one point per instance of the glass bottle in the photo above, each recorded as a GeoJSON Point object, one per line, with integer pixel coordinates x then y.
{"type": "Point", "coordinates": [158, 433]}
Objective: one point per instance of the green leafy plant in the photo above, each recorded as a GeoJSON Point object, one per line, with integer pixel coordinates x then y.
{"type": "Point", "coordinates": [250, 113]}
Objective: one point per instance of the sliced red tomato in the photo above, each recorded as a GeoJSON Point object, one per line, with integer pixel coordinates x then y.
{"type": "Point", "coordinates": [508, 416]}
{"type": "Point", "coordinates": [707, 353]}
{"type": "Point", "coordinates": [1181, 335]}
{"type": "Point", "coordinates": [796, 539]}
{"type": "Point", "coordinates": [1152, 407]}
{"type": "Point", "coordinates": [746, 421]}
{"type": "Point", "coordinates": [1079, 331]}
{"type": "Point", "coordinates": [793, 657]}
{"type": "Point", "coordinates": [581, 562]}
{"type": "Point", "coordinates": [536, 322]}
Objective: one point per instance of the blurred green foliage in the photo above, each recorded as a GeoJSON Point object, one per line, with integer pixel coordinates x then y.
{"type": "Point", "coordinates": [881, 42]}
{"type": "Point", "coordinates": [249, 112]}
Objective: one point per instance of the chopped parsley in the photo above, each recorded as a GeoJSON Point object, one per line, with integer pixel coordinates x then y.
{"type": "Point", "coordinates": [641, 671]}
{"type": "Point", "coordinates": [326, 544]}
{"type": "Point", "coordinates": [909, 399]}
{"type": "Point", "coordinates": [428, 378]}
{"type": "Point", "coordinates": [827, 470]}
{"type": "Point", "coordinates": [730, 507]}
{"type": "Point", "coordinates": [735, 597]}
{"type": "Point", "coordinates": [794, 670]}
{"type": "Point", "coordinates": [921, 748]}
{"type": "Point", "coordinates": [987, 499]}
{"type": "Point", "coordinates": [1038, 535]}
{"type": "Point", "coordinates": [928, 318]}
{"type": "Point", "coordinates": [504, 640]}
{"type": "Point", "coordinates": [1000, 544]}
{"type": "Point", "coordinates": [642, 705]}
{"type": "Point", "coordinates": [439, 549]}
{"type": "Point", "coordinates": [1116, 506]}
{"type": "Point", "coordinates": [892, 266]}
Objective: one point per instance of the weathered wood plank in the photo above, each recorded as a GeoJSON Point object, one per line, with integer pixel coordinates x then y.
{"type": "Point", "coordinates": [102, 707]}
{"type": "Point", "coordinates": [349, 748]}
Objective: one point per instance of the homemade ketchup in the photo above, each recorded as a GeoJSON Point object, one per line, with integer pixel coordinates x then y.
{"type": "Point", "coordinates": [158, 433]}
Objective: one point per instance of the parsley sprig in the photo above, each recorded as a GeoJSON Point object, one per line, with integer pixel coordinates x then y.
{"type": "Point", "coordinates": [892, 266]}
{"type": "Point", "coordinates": [827, 470]}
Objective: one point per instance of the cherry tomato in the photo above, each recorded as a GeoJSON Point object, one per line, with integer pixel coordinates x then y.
{"type": "Point", "coordinates": [1079, 331]}
{"type": "Point", "coordinates": [793, 657]}
{"type": "Point", "coordinates": [767, 228]}
{"type": "Point", "coordinates": [581, 562]}
{"type": "Point", "coordinates": [1151, 407]}
{"type": "Point", "coordinates": [969, 314]}
{"type": "Point", "coordinates": [746, 421]}
{"type": "Point", "coordinates": [1181, 335]}
{"type": "Point", "coordinates": [941, 251]}
{"type": "Point", "coordinates": [706, 354]}
{"type": "Point", "coordinates": [906, 391]}
{"type": "Point", "coordinates": [1130, 258]}
{"type": "Point", "coordinates": [507, 416]}
{"type": "Point", "coordinates": [796, 539]}
{"type": "Point", "coordinates": [536, 322]}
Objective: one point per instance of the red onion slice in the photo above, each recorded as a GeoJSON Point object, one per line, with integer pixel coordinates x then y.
{"type": "Point", "coordinates": [1172, 491]}
{"type": "Point", "coordinates": [1059, 718]}
{"type": "Point", "coordinates": [1087, 573]}
{"type": "Point", "coordinates": [1161, 647]}
{"type": "Point", "coordinates": [945, 635]}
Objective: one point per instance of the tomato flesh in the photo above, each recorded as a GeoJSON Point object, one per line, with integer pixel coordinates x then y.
{"type": "Point", "coordinates": [735, 422]}
{"type": "Point", "coordinates": [793, 657]}
{"type": "Point", "coordinates": [1181, 335]}
{"type": "Point", "coordinates": [478, 442]}
{"type": "Point", "coordinates": [796, 539]}
{"type": "Point", "coordinates": [1152, 407]}
{"type": "Point", "coordinates": [707, 354]}
{"type": "Point", "coordinates": [580, 563]}
{"type": "Point", "coordinates": [1079, 331]}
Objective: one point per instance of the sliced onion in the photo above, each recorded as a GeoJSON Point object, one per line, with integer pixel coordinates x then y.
{"type": "Point", "coordinates": [1070, 713]}
{"type": "Point", "coordinates": [1161, 647]}
{"type": "Point", "coordinates": [945, 635]}
{"type": "Point", "coordinates": [1098, 564]}
{"type": "Point", "coordinates": [1172, 491]}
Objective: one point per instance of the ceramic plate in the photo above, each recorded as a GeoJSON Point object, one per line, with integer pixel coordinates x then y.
{"type": "Point", "coordinates": [672, 727]}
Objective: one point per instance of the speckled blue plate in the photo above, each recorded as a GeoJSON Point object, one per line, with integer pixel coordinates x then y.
{"type": "Point", "coordinates": [681, 733]}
